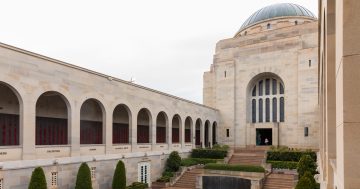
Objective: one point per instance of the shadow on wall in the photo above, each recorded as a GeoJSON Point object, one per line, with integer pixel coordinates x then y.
{"type": "Point", "coordinates": [219, 182]}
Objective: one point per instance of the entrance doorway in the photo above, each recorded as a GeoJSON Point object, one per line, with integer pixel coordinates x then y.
{"type": "Point", "coordinates": [263, 137]}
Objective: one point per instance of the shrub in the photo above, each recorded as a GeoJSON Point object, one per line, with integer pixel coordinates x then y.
{"type": "Point", "coordinates": [168, 174]}
{"type": "Point", "coordinates": [164, 179]}
{"type": "Point", "coordinates": [137, 185]}
{"type": "Point", "coordinates": [196, 161]}
{"type": "Point", "coordinates": [288, 155]}
{"type": "Point", "coordinates": [221, 147]}
{"type": "Point", "coordinates": [209, 153]}
{"type": "Point", "coordinates": [283, 164]}
{"type": "Point", "coordinates": [38, 180]}
{"type": "Point", "coordinates": [83, 179]}
{"type": "Point", "coordinates": [173, 162]}
{"type": "Point", "coordinates": [227, 167]}
{"type": "Point", "coordinates": [119, 179]}
{"type": "Point", "coordinates": [307, 181]}
{"type": "Point", "coordinates": [306, 163]}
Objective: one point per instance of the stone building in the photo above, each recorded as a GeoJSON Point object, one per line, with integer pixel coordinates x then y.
{"type": "Point", "coordinates": [339, 91]}
{"type": "Point", "coordinates": [57, 115]}
{"type": "Point", "coordinates": [264, 80]}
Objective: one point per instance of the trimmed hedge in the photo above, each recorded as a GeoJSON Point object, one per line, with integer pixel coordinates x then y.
{"type": "Point", "coordinates": [137, 185]}
{"type": "Point", "coordinates": [119, 179]}
{"type": "Point", "coordinates": [83, 179]}
{"type": "Point", "coordinates": [209, 153]}
{"type": "Point", "coordinates": [38, 180]}
{"type": "Point", "coordinates": [289, 155]}
{"type": "Point", "coordinates": [283, 164]}
{"type": "Point", "coordinates": [196, 161]}
{"type": "Point", "coordinates": [227, 167]}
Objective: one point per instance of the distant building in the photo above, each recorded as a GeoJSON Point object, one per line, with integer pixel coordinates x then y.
{"type": "Point", "coordinates": [264, 80]}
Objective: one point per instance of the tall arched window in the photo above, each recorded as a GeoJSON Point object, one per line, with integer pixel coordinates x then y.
{"type": "Point", "coordinates": [265, 95]}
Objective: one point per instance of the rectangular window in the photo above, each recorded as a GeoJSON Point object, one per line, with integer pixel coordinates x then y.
{"type": "Point", "coordinates": [54, 178]}
{"type": "Point", "coordinates": [227, 132]}
{"type": "Point", "coordinates": [306, 131]}
{"type": "Point", "coordinates": [225, 73]}
{"type": "Point", "coordinates": [144, 172]}
{"type": "Point", "coordinates": [260, 111]}
{"type": "Point", "coordinates": [267, 110]}
{"type": "Point", "coordinates": [309, 63]}
{"type": "Point", "coordinates": [274, 87]}
{"type": "Point", "coordinates": [93, 173]}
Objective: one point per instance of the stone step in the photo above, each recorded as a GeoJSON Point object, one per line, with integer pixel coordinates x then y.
{"type": "Point", "coordinates": [279, 181]}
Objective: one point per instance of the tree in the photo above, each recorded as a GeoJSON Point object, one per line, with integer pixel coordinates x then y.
{"type": "Point", "coordinates": [119, 180]}
{"type": "Point", "coordinates": [306, 163]}
{"type": "Point", "coordinates": [173, 162]}
{"type": "Point", "coordinates": [307, 181]}
{"type": "Point", "coordinates": [83, 179]}
{"type": "Point", "coordinates": [38, 180]}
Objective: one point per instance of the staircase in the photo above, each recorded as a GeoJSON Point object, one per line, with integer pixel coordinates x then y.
{"type": "Point", "coordinates": [188, 179]}
{"type": "Point", "coordinates": [245, 156]}
{"type": "Point", "coordinates": [279, 181]}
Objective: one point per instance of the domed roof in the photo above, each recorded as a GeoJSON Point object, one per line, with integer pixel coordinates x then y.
{"type": "Point", "coordinates": [277, 10]}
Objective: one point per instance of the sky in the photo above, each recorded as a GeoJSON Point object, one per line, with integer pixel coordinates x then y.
{"type": "Point", "coordinates": [165, 45]}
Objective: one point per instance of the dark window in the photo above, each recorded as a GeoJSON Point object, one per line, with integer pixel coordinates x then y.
{"type": "Point", "coordinates": [309, 63]}
{"type": "Point", "coordinates": [225, 73]}
{"type": "Point", "coordinates": [282, 113]}
{"type": "Point", "coordinates": [227, 133]}
{"type": "Point", "coordinates": [306, 131]}
{"type": "Point", "coordinates": [296, 22]}
{"type": "Point", "coordinates": [254, 91]}
{"type": "Point", "coordinates": [260, 110]}
{"type": "Point", "coordinates": [274, 86]}
{"type": "Point", "coordinates": [260, 88]}
{"type": "Point", "coordinates": [281, 89]}
{"type": "Point", "coordinates": [267, 109]}
{"type": "Point", "coordinates": [254, 111]}
{"type": "Point", "coordinates": [274, 110]}
{"type": "Point", "coordinates": [267, 86]}
{"type": "Point", "coordinates": [245, 33]}
{"type": "Point", "coordinates": [268, 26]}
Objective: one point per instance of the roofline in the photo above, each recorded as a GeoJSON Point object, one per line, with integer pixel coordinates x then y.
{"type": "Point", "coordinates": [36, 55]}
{"type": "Point", "coordinates": [275, 18]}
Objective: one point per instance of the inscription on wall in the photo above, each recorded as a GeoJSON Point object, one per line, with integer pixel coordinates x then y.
{"type": "Point", "coordinates": [53, 151]}
{"type": "Point", "coordinates": [3, 153]}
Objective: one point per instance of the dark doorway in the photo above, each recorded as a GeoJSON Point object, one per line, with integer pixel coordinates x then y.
{"type": "Point", "coordinates": [263, 137]}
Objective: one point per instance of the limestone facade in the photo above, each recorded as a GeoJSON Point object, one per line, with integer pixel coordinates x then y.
{"type": "Point", "coordinates": [283, 49]}
{"type": "Point", "coordinates": [339, 93]}
{"type": "Point", "coordinates": [25, 77]}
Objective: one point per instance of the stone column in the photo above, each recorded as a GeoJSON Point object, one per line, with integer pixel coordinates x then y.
{"type": "Point", "coordinates": [193, 134]}
{"type": "Point", "coordinates": [202, 135]}
{"type": "Point", "coordinates": [28, 127]}
{"type": "Point", "coordinates": [153, 134]}
{"type": "Point", "coordinates": [182, 133]}
{"type": "Point", "coordinates": [169, 131]}
{"type": "Point", "coordinates": [108, 131]}
{"type": "Point", "coordinates": [133, 137]}
{"type": "Point", "coordinates": [210, 135]}
{"type": "Point", "coordinates": [74, 130]}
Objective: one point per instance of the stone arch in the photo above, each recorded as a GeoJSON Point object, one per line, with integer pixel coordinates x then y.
{"type": "Point", "coordinates": [144, 121]}
{"type": "Point", "coordinates": [162, 125]}
{"type": "Point", "coordinates": [121, 124]}
{"type": "Point", "coordinates": [198, 126]}
{"type": "Point", "coordinates": [188, 129]}
{"type": "Point", "coordinates": [92, 122]}
{"type": "Point", "coordinates": [53, 123]}
{"type": "Point", "coordinates": [176, 129]}
{"type": "Point", "coordinates": [207, 133]}
{"type": "Point", "coordinates": [11, 106]}
{"type": "Point", "coordinates": [260, 92]}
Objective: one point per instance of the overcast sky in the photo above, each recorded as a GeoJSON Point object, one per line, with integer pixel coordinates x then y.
{"type": "Point", "coordinates": [165, 44]}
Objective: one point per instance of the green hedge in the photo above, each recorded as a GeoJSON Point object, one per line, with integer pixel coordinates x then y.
{"type": "Point", "coordinates": [137, 185]}
{"type": "Point", "coordinates": [209, 153]}
{"type": "Point", "coordinates": [283, 164]}
{"type": "Point", "coordinates": [38, 180]}
{"type": "Point", "coordinates": [196, 161]}
{"type": "Point", "coordinates": [289, 155]}
{"type": "Point", "coordinates": [227, 167]}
